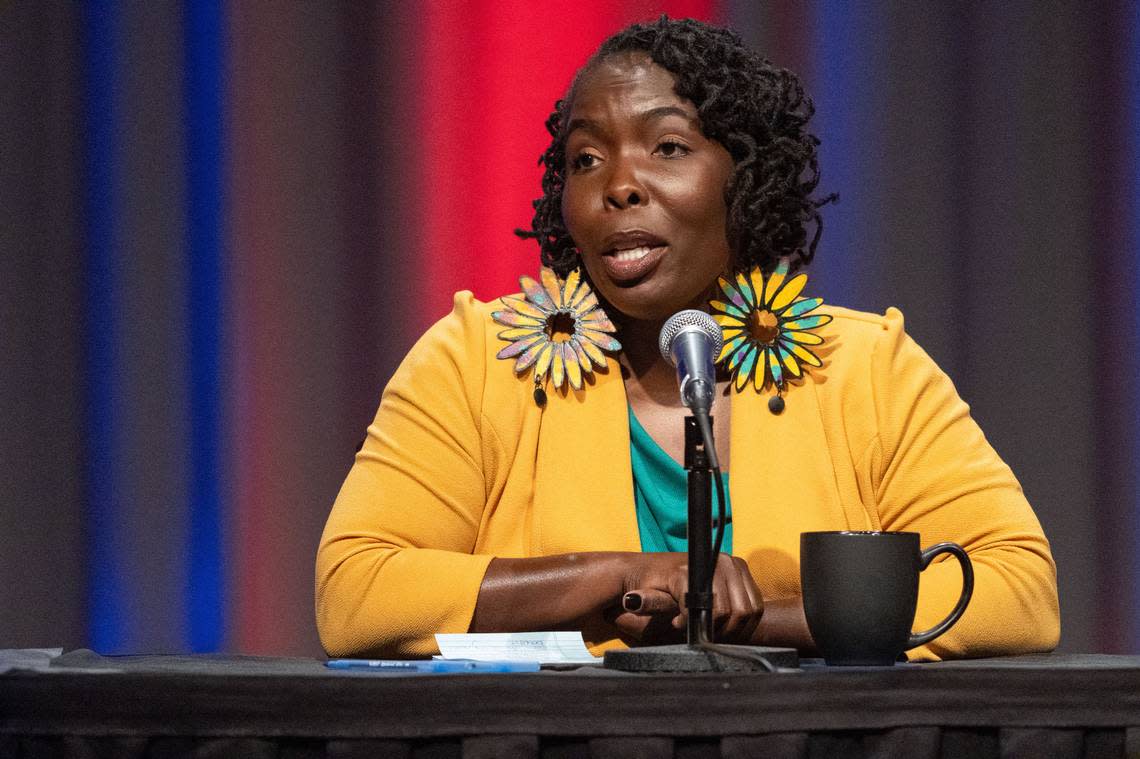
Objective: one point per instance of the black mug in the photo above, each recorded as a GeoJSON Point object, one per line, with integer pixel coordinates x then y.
{"type": "Point", "coordinates": [860, 591]}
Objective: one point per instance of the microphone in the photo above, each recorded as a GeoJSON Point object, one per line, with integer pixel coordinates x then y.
{"type": "Point", "coordinates": [691, 340]}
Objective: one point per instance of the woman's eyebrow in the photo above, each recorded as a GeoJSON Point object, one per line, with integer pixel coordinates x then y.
{"type": "Point", "coordinates": [653, 114]}
{"type": "Point", "coordinates": [661, 111]}
{"type": "Point", "coordinates": [585, 124]}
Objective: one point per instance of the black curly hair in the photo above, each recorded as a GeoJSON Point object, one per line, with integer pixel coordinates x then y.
{"type": "Point", "coordinates": [756, 110]}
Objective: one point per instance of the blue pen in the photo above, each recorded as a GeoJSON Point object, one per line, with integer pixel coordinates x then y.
{"type": "Point", "coordinates": [432, 666]}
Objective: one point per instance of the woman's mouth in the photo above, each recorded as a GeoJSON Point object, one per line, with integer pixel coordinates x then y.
{"type": "Point", "coordinates": [631, 255]}
{"type": "Point", "coordinates": [632, 263]}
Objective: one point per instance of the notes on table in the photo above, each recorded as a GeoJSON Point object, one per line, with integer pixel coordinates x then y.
{"type": "Point", "coordinates": [36, 659]}
{"type": "Point", "coordinates": [553, 647]}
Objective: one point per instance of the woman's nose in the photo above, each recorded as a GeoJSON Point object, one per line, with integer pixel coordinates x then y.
{"type": "Point", "coordinates": [624, 188]}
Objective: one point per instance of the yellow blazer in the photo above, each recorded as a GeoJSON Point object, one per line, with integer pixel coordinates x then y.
{"type": "Point", "coordinates": [460, 466]}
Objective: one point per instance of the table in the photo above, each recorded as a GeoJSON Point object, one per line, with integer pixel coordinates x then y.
{"type": "Point", "coordinates": [83, 704]}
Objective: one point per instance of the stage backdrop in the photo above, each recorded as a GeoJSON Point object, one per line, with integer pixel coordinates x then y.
{"type": "Point", "coordinates": [223, 224]}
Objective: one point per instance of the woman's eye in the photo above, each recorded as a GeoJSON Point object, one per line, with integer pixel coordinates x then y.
{"type": "Point", "coordinates": [584, 161]}
{"type": "Point", "coordinates": [671, 149]}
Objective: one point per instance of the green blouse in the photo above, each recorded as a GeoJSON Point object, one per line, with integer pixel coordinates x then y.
{"type": "Point", "coordinates": [661, 494]}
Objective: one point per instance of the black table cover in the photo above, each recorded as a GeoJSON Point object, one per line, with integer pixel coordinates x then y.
{"type": "Point", "coordinates": [81, 704]}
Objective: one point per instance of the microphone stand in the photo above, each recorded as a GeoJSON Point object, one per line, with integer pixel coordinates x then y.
{"type": "Point", "coordinates": [702, 563]}
{"type": "Point", "coordinates": [700, 654]}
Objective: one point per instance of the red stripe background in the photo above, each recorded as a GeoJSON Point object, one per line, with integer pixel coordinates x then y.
{"type": "Point", "coordinates": [455, 141]}
{"type": "Point", "coordinates": [491, 74]}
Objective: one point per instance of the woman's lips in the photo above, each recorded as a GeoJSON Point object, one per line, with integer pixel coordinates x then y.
{"type": "Point", "coordinates": [632, 263]}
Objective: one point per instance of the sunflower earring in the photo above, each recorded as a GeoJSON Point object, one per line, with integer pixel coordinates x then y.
{"type": "Point", "coordinates": [766, 330]}
{"type": "Point", "coordinates": [558, 328]}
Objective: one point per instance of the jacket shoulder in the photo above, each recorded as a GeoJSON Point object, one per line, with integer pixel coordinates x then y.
{"type": "Point", "coordinates": [853, 337]}
{"type": "Point", "coordinates": [852, 324]}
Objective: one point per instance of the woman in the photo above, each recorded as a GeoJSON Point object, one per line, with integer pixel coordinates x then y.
{"type": "Point", "coordinates": [522, 470]}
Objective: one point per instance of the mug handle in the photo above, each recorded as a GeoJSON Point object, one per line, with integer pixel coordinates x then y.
{"type": "Point", "coordinates": [917, 639]}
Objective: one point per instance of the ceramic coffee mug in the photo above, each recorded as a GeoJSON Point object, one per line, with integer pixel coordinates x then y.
{"type": "Point", "coordinates": [860, 590]}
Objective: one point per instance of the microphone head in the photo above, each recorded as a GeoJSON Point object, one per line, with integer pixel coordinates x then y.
{"type": "Point", "coordinates": [689, 320]}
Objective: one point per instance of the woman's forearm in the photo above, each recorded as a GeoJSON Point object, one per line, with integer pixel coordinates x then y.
{"type": "Point", "coordinates": [784, 624]}
{"type": "Point", "coordinates": [550, 592]}
{"type": "Point", "coordinates": [546, 592]}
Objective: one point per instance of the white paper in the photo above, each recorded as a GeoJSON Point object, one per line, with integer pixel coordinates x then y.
{"type": "Point", "coordinates": [28, 658]}
{"type": "Point", "coordinates": [555, 647]}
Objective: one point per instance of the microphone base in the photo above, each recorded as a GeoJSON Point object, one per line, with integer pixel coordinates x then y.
{"type": "Point", "coordinates": [686, 658]}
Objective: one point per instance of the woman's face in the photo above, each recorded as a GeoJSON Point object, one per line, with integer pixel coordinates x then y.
{"type": "Point", "coordinates": [644, 193]}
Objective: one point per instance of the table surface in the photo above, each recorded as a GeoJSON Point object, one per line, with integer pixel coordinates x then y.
{"type": "Point", "coordinates": [83, 693]}
{"type": "Point", "coordinates": [140, 707]}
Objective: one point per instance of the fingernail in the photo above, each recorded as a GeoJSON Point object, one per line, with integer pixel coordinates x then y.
{"type": "Point", "coordinates": [631, 601]}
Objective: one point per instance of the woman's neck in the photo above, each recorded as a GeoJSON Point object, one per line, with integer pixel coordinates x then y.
{"type": "Point", "coordinates": [652, 390]}
{"type": "Point", "coordinates": [649, 377]}
{"type": "Point", "coordinates": [648, 374]}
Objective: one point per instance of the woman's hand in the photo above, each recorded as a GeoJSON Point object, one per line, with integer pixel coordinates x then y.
{"type": "Point", "coordinates": [550, 592]}
{"type": "Point", "coordinates": [653, 592]}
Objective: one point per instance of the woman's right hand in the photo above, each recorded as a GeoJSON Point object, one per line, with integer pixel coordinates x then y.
{"type": "Point", "coordinates": [652, 605]}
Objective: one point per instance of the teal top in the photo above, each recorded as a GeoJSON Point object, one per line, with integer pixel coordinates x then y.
{"type": "Point", "coordinates": [661, 494]}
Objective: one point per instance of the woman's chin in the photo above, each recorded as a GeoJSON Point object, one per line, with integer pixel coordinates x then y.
{"type": "Point", "coordinates": [650, 306]}
{"type": "Point", "coordinates": [640, 309]}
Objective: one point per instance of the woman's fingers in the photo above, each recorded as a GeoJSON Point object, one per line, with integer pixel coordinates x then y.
{"type": "Point", "coordinates": [748, 632]}
{"type": "Point", "coordinates": [750, 586]}
{"type": "Point", "coordinates": [650, 576]}
{"type": "Point", "coordinates": [730, 603]}
{"type": "Point", "coordinates": [644, 626]}
{"type": "Point", "coordinates": [650, 601]}
{"type": "Point", "coordinates": [653, 629]}
{"type": "Point", "coordinates": [737, 604]}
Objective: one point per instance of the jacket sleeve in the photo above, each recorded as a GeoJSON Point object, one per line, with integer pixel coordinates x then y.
{"type": "Point", "coordinates": [395, 562]}
{"type": "Point", "coordinates": [933, 472]}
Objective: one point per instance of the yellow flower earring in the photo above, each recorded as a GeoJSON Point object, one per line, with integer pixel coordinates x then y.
{"type": "Point", "coordinates": [558, 328]}
{"type": "Point", "coordinates": [767, 330]}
